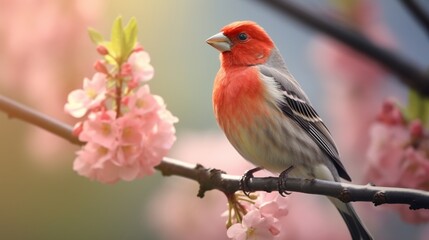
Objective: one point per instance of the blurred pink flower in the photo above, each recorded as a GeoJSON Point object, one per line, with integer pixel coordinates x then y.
{"type": "Point", "coordinates": [44, 50]}
{"type": "Point", "coordinates": [386, 150]}
{"type": "Point", "coordinates": [307, 217]}
{"type": "Point", "coordinates": [424, 234]}
{"type": "Point", "coordinates": [310, 218]}
{"type": "Point", "coordinates": [353, 80]}
{"type": "Point", "coordinates": [398, 156]}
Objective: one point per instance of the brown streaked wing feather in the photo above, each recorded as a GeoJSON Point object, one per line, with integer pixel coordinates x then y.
{"type": "Point", "coordinates": [308, 119]}
{"type": "Point", "coordinates": [297, 106]}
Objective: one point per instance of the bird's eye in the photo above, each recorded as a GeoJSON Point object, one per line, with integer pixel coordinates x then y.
{"type": "Point", "coordinates": [242, 36]}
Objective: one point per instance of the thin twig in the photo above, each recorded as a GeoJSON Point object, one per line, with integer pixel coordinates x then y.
{"type": "Point", "coordinates": [17, 110]}
{"type": "Point", "coordinates": [408, 73]}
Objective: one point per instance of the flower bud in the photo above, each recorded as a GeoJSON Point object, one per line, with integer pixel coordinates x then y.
{"type": "Point", "coordinates": [390, 113]}
{"type": "Point", "coordinates": [126, 70]}
{"type": "Point", "coordinates": [132, 84]}
{"type": "Point", "coordinates": [102, 50]}
{"type": "Point", "coordinates": [100, 66]}
{"type": "Point", "coordinates": [416, 128]}
{"type": "Point", "coordinates": [138, 48]}
{"type": "Point", "coordinates": [77, 129]}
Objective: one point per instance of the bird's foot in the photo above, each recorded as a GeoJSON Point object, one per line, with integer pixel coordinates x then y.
{"type": "Point", "coordinates": [282, 180]}
{"type": "Point", "coordinates": [245, 179]}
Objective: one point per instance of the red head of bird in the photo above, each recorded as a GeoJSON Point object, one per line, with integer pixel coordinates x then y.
{"type": "Point", "coordinates": [242, 43]}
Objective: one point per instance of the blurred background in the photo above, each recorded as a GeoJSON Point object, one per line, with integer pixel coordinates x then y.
{"type": "Point", "coordinates": [45, 53]}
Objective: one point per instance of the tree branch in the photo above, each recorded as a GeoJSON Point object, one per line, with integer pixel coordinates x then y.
{"type": "Point", "coordinates": [17, 110]}
{"type": "Point", "coordinates": [418, 13]}
{"type": "Point", "coordinates": [210, 179]}
{"type": "Point", "coordinates": [408, 73]}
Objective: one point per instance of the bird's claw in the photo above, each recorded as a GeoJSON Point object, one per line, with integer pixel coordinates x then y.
{"type": "Point", "coordinates": [282, 180]}
{"type": "Point", "coordinates": [245, 179]}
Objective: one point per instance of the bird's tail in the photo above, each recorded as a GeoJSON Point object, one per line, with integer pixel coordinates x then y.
{"type": "Point", "coordinates": [357, 230]}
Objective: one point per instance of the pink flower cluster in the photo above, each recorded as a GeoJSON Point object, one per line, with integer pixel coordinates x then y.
{"type": "Point", "coordinates": [127, 129]}
{"type": "Point", "coordinates": [261, 218]}
{"type": "Point", "coordinates": [399, 156]}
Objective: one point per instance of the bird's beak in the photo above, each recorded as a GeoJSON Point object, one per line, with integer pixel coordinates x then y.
{"type": "Point", "coordinates": [220, 42]}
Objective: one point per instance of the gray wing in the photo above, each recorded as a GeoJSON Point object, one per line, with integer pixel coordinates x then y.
{"type": "Point", "coordinates": [296, 105]}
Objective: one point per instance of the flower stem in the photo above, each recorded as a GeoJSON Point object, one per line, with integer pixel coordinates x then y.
{"type": "Point", "coordinates": [118, 96]}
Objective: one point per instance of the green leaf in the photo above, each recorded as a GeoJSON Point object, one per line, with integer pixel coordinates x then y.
{"type": "Point", "coordinates": [414, 105]}
{"type": "Point", "coordinates": [118, 40]}
{"type": "Point", "coordinates": [109, 59]}
{"type": "Point", "coordinates": [425, 115]}
{"type": "Point", "coordinates": [95, 36]}
{"type": "Point", "coordinates": [122, 40]}
{"type": "Point", "coordinates": [130, 32]}
{"type": "Point", "coordinates": [345, 5]}
{"type": "Point", "coordinates": [418, 107]}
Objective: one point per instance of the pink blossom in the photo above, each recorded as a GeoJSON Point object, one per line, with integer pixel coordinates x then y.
{"type": "Point", "coordinates": [92, 162]}
{"type": "Point", "coordinates": [143, 104]}
{"type": "Point", "coordinates": [414, 174]}
{"type": "Point", "coordinates": [93, 93]}
{"type": "Point", "coordinates": [273, 205]}
{"type": "Point", "coordinates": [97, 163]}
{"type": "Point", "coordinates": [254, 227]}
{"type": "Point", "coordinates": [142, 70]}
{"type": "Point", "coordinates": [309, 218]}
{"type": "Point", "coordinates": [117, 167]}
{"type": "Point", "coordinates": [129, 139]}
{"type": "Point", "coordinates": [390, 113]}
{"type": "Point", "coordinates": [386, 150]}
{"type": "Point", "coordinates": [100, 128]}
{"type": "Point", "coordinates": [416, 129]}
{"type": "Point", "coordinates": [272, 208]}
{"type": "Point", "coordinates": [416, 168]}
{"type": "Point", "coordinates": [398, 156]}
{"type": "Point", "coordinates": [130, 126]}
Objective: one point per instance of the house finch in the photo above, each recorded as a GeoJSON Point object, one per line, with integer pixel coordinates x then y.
{"type": "Point", "coordinates": [268, 118]}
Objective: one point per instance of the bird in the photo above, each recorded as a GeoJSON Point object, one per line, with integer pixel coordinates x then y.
{"type": "Point", "coordinates": [267, 117]}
